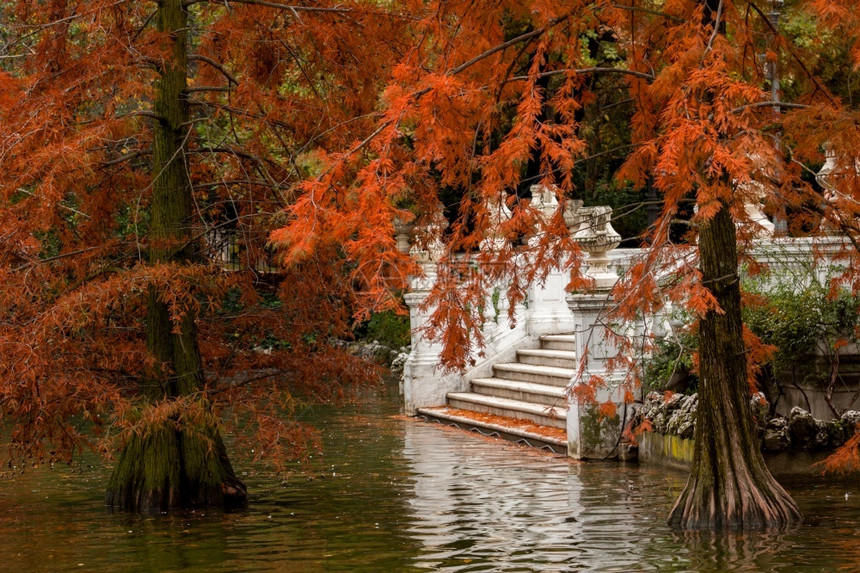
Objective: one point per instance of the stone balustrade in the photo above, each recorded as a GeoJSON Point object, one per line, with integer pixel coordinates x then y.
{"type": "Point", "coordinates": [549, 309]}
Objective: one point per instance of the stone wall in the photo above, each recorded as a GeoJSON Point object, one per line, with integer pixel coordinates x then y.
{"type": "Point", "coordinates": [671, 418]}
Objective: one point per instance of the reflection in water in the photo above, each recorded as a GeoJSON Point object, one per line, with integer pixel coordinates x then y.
{"type": "Point", "coordinates": [474, 501]}
{"type": "Point", "coordinates": [399, 495]}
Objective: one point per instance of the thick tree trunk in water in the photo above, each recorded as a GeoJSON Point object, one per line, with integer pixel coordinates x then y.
{"type": "Point", "coordinates": [171, 468]}
{"type": "Point", "coordinates": [175, 464]}
{"type": "Point", "coordinates": [729, 486]}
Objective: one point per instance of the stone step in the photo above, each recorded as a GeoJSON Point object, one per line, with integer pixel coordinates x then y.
{"type": "Point", "coordinates": [542, 414]}
{"type": "Point", "coordinates": [523, 391]}
{"type": "Point", "coordinates": [550, 375]}
{"type": "Point", "coordinates": [558, 342]}
{"type": "Point", "coordinates": [521, 431]}
{"type": "Point", "coordinates": [544, 357]}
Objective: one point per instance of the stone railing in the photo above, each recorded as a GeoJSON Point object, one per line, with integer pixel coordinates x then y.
{"type": "Point", "coordinates": [673, 423]}
{"type": "Point", "coordinates": [549, 309]}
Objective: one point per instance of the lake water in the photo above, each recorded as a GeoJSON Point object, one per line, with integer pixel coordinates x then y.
{"type": "Point", "coordinates": [393, 494]}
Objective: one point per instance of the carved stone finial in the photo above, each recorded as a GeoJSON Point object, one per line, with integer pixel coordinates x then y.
{"type": "Point", "coordinates": [752, 206]}
{"type": "Point", "coordinates": [403, 234]}
{"type": "Point", "coordinates": [435, 248]}
{"type": "Point", "coordinates": [573, 215]}
{"type": "Point", "coordinates": [597, 237]}
{"type": "Point", "coordinates": [545, 200]}
{"type": "Point", "coordinates": [824, 174]}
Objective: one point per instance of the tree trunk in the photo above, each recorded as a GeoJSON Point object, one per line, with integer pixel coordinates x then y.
{"type": "Point", "coordinates": [729, 486]}
{"type": "Point", "coordinates": [178, 463]}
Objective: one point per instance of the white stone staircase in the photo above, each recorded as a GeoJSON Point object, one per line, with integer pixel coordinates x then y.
{"type": "Point", "coordinates": [524, 401]}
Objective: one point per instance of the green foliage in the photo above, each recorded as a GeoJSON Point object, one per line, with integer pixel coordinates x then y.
{"type": "Point", "coordinates": [822, 52]}
{"type": "Point", "coordinates": [803, 323]}
{"type": "Point", "coordinates": [131, 219]}
{"type": "Point", "coordinates": [495, 301]}
{"type": "Point", "coordinates": [672, 355]}
{"type": "Point", "coordinates": [389, 328]}
{"type": "Point", "coordinates": [232, 302]}
{"type": "Point", "coordinates": [51, 243]}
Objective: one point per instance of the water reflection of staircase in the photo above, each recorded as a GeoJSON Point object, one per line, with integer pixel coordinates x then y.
{"type": "Point", "coordinates": [524, 401]}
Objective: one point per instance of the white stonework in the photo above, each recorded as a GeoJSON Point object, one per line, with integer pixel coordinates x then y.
{"type": "Point", "coordinates": [597, 237]}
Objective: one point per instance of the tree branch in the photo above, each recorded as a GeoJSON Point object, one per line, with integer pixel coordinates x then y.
{"type": "Point", "coordinates": [499, 48]}
{"type": "Point", "coordinates": [119, 160]}
{"type": "Point", "coordinates": [596, 70]}
{"type": "Point", "coordinates": [770, 104]}
{"type": "Point", "coordinates": [207, 89]}
{"type": "Point", "coordinates": [215, 65]}
{"type": "Point", "coordinates": [291, 8]}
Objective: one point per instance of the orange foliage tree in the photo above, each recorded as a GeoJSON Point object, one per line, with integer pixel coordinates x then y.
{"type": "Point", "coordinates": [279, 107]}
{"type": "Point", "coordinates": [491, 90]}
{"type": "Point", "coordinates": [147, 149]}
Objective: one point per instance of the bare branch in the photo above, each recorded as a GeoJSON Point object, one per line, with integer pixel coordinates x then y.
{"type": "Point", "coordinates": [770, 104]}
{"type": "Point", "coordinates": [215, 65]}
{"type": "Point", "coordinates": [521, 38]}
{"type": "Point", "coordinates": [207, 89]}
{"type": "Point", "coordinates": [119, 160]}
{"type": "Point", "coordinates": [597, 70]}
{"type": "Point", "coordinates": [716, 31]}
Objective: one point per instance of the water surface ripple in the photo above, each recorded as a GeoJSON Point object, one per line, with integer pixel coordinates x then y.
{"type": "Point", "coordinates": [398, 495]}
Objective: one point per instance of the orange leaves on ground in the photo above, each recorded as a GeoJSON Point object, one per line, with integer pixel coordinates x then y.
{"type": "Point", "coordinates": [9, 92]}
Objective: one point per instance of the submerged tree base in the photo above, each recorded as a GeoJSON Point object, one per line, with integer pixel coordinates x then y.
{"type": "Point", "coordinates": [169, 468]}
{"type": "Point", "coordinates": [736, 498]}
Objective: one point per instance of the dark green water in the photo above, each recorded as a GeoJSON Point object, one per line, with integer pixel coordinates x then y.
{"type": "Point", "coordinates": [393, 494]}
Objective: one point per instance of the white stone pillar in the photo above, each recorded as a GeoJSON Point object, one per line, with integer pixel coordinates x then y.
{"type": "Point", "coordinates": [590, 434]}
{"type": "Point", "coordinates": [597, 237]}
{"type": "Point", "coordinates": [828, 177]}
{"type": "Point", "coordinates": [497, 325]}
{"type": "Point", "coordinates": [424, 385]}
{"type": "Point", "coordinates": [403, 235]}
{"type": "Point", "coordinates": [755, 192]}
{"type": "Point", "coordinates": [548, 312]}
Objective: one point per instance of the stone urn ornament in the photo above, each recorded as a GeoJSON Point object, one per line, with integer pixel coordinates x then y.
{"type": "Point", "coordinates": [755, 192]}
{"type": "Point", "coordinates": [403, 234]}
{"type": "Point", "coordinates": [545, 200]}
{"type": "Point", "coordinates": [435, 247]}
{"type": "Point", "coordinates": [597, 237]}
{"type": "Point", "coordinates": [572, 215]}
{"type": "Point", "coordinates": [828, 177]}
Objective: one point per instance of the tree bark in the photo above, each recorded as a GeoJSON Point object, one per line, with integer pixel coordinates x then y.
{"type": "Point", "coordinates": [729, 486]}
{"type": "Point", "coordinates": [175, 464]}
